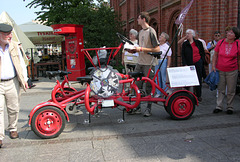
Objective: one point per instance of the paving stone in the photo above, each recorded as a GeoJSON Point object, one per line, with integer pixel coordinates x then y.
{"type": "Point", "coordinates": [203, 137]}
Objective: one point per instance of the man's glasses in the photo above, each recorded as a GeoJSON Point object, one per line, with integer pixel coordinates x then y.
{"type": "Point", "coordinates": [217, 35]}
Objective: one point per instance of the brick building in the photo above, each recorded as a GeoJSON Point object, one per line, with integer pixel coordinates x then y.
{"type": "Point", "coordinates": [205, 16]}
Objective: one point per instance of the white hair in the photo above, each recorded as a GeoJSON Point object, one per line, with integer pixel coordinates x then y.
{"type": "Point", "coordinates": [134, 32]}
{"type": "Point", "coordinates": [191, 31]}
{"type": "Point", "coordinates": [165, 35]}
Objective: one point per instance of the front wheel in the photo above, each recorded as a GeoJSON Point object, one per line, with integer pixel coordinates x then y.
{"type": "Point", "coordinates": [48, 122]}
{"type": "Point", "coordinates": [181, 106]}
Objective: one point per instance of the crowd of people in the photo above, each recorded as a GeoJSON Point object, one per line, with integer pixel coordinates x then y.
{"type": "Point", "coordinates": [224, 59]}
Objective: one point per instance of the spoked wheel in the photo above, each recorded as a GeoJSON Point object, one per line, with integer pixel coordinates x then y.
{"type": "Point", "coordinates": [48, 122]}
{"type": "Point", "coordinates": [66, 91]}
{"type": "Point", "coordinates": [181, 106]}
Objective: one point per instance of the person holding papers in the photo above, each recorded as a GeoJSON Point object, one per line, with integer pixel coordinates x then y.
{"type": "Point", "coordinates": [130, 58]}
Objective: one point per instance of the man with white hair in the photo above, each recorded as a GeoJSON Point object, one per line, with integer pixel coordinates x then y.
{"type": "Point", "coordinates": [162, 74]}
{"type": "Point", "coordinates": [13, 74]}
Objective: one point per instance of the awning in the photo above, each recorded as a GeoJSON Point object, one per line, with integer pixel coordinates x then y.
{"type": "Point", "coordinates": [18, 35]}
{"type": "Point", "coordinates": [40, 34]}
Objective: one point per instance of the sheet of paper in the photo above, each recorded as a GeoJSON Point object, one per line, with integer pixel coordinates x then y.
{"type": "Point", "coordinates": [184, 76]}
{"type": "Point", "coordinates": [129, 58]}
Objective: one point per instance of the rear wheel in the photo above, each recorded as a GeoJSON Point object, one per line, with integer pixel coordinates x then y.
{"type": "Point", "coordinates": [181, 106]}
{"type": "Point", "coordinates": [48, 122]}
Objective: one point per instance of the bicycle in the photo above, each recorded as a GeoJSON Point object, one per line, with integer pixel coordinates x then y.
{"type": "Point", "coordinates": [106, 88]}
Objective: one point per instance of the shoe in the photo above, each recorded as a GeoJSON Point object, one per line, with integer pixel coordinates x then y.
{"type": "Point", "coordinates": [157, 95]}
{"type": "Point", "coordinates": [147, 112]}
{"type": "Point", "coordinates": [137, 110]}
{"type": "Point", "coordinates": [217, 111]}
{"type": "Point", "coordinates": [1, 144]}
{"type": "Point", "coordinates": [13, 135]}
{"type": "Point", "coordinates": [200, 99]}
{"type": "Point", "coordinates": [32, 86]}
{"type": "Point", "coordinates": [229, 112]}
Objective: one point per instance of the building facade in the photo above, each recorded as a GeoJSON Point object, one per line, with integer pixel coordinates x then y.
{"type": "Point", "coordinates": [204, 16]}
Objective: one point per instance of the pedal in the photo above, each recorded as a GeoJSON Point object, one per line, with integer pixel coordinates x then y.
{"type": "Point", "coordinates": [72, 109]}
{"type": "Point", "coordinates": [86, 121]}
{"type": "Point", "coordinates": [120, 121]}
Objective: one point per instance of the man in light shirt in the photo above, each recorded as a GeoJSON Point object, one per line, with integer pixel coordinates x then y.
{"type": "Point", "coordinates": [162, 74]}
{"type": "Point", "coordinates": [13, 74]}
{"type": "Point", "coordinates": [148, 42]}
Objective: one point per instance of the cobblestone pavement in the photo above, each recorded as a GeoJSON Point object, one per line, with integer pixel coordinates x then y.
{"type": "Point", "coordinates": [203, 137]}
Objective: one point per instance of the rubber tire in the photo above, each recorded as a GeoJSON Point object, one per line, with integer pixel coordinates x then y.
{"type": "Point", "coordinates": [56, 116]}
{"type": "Point", "coordinates": [186, 102]}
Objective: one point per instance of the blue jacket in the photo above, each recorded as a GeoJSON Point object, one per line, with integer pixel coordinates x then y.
{"type": "Point", "coordinates": [212, 80]}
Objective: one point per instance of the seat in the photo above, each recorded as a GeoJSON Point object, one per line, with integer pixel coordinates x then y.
{"type": "Point", "coordinates": [136, 75]}
{"type": "Point", "coordinates": [85, 79]}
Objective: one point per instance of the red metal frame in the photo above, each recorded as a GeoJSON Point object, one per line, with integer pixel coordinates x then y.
{"type": "Point", "coordinates": [91, 102]}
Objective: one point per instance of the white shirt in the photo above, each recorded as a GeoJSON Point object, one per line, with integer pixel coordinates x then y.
{"type": "Point", "coordinates": [7, 68]}
{"type": "Point", "coordinates": [164, 47]}
{"type": "Point", "coordinates": [203, 43]}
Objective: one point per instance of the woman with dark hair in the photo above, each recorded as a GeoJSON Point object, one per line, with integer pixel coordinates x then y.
{"type": "Point", "coordinates": [226, 60]}
{"type": "Point", "coordinates": [193, 54]}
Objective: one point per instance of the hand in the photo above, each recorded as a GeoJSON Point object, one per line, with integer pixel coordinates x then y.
{"type": "Point", "coordinates": [26, 85]}
{"type": "Point", "coordinates": [214, 68]}
{"type": "Point", "coordinates": [133, 50]}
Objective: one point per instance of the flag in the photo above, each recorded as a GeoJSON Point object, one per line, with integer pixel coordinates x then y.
{"type": "Point", "coordinates": [183, 13]}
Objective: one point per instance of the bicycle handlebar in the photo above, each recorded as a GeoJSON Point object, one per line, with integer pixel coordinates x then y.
{"type": "Point", "coordinates": [60, 73]}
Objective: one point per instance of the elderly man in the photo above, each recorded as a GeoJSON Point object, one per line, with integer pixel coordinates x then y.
{"type": "Point", "coordinates": [13, 74]}
{"type": "Point", "coordinates": [162, 74]}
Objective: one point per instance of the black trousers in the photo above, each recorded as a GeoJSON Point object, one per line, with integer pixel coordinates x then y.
{"type": "Point", "coordinates": [199, 70]}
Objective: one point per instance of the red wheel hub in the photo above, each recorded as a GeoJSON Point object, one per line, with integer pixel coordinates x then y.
{"type": "Point", "coordinates": [181, 106]}
{"type": "Point", "coordinates": [48, 122]}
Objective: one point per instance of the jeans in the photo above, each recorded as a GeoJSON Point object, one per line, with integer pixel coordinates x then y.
{"type": "Point", "coordinates": [162, 74]}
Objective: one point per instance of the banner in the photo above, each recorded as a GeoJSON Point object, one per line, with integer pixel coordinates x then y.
{"type": "Point", "coordinates": [183, 14]}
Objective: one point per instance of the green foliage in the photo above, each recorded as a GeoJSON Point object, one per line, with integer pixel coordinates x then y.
{"type": "Point", "coordinates": [100, 22]}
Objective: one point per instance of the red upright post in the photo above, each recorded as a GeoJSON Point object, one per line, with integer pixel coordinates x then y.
{"type": "Point", "coordinates": [73, 45]}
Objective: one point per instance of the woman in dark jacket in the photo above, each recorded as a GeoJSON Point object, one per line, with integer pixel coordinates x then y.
{"type": "Point", "coordinates": [193, 54]}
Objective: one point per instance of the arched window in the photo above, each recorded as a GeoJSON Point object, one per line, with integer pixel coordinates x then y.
{"type": "Point", "coordinates": [172, 27]}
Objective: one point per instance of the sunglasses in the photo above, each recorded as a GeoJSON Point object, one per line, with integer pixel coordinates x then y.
{"type": "Point", "coordinates": [217, 35]}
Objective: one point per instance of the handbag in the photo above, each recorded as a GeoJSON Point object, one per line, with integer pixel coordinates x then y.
{"type": "Point", "coordinates": [207, 58]}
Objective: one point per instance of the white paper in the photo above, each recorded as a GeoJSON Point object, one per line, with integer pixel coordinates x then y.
{"type": "Point", "coordinates": [129, 58]}
{"type": "Point", "coordinates": [184, 76]}
{"type": "Point", "coordinates": [129, 46]}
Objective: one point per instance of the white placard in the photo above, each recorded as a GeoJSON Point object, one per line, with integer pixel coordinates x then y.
{"type": "Point", "coordinates": [107, 103]}
{"type": "Point", "coordinates": [184, 76]}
